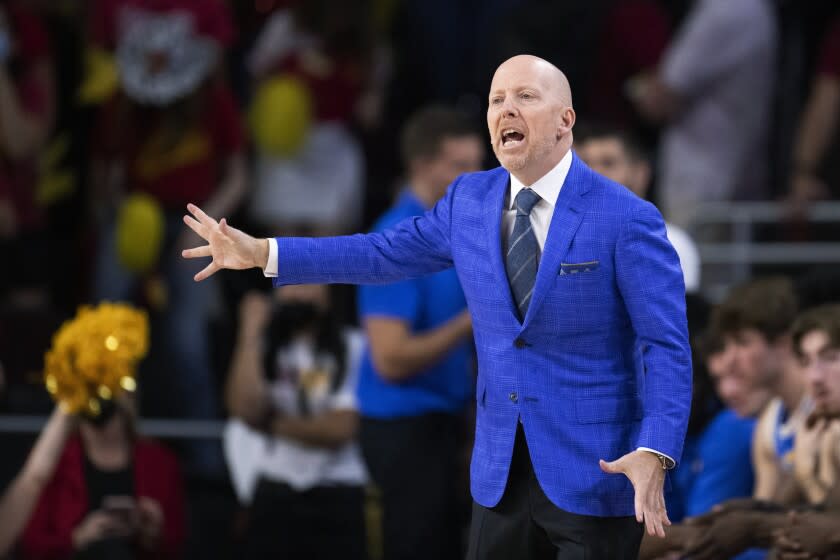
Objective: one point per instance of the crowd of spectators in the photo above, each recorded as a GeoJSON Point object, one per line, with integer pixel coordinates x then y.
{"type": "Point", "coordinates": [348, 412]}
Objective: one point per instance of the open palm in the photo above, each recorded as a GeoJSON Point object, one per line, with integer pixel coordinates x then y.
{"type": "Point", "coordinates": [229, 247]}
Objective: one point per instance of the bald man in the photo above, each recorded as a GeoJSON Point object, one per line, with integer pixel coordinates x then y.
{"type": "Point", "coordinates": [578, 313]}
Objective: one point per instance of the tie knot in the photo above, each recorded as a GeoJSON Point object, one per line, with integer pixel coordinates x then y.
{"type": "Point", "coordinates": [525, 201]}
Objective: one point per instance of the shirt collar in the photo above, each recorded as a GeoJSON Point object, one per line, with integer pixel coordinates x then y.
{"type": "Point", "coordinates": [548, 186]}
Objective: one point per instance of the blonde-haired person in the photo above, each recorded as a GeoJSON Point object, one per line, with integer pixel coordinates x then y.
{"type": "Point", "coordinates": [23, 493]}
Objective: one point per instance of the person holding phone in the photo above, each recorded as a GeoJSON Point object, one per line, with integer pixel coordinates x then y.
{"type": "Point", "coordinates": [114, 495]}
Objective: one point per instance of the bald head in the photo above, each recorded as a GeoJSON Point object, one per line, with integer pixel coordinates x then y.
{"type": "Point", "coordinates": [530, 116]}
{"type": "Point", "coordinates": [529, 66]}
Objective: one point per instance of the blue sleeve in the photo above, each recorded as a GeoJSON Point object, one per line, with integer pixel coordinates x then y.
{"type": "Point", "coordinates": [400, 300]}
{"type": "Point", "coordinates": [651, 284]}
{"type": "Point", "coordinates": [415, 247]}
{"type": "Point", "coordinates": [727, 472]}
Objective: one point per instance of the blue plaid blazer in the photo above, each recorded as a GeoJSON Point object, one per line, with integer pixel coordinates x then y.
{"type": "Point", "coordinates": [599, 366]}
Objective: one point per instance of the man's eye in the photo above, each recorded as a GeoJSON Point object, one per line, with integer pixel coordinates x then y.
{"type": "Point", "coordinates": [496, 100]}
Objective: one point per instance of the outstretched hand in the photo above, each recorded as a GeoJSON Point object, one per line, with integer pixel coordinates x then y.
{"type": "Point", "coordinates": [648, 477]}
{"type": "Point", "coordinates": [229, 247]}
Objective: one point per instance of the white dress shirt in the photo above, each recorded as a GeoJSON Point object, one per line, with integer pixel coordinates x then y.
{"type": "Point", "coordinates": [548, 187]}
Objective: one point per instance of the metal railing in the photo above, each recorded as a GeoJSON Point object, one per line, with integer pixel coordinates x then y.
{"type": "Point", "coordinates": [174, 428]}
{"type": "Point", "coordinates": [742, 251]}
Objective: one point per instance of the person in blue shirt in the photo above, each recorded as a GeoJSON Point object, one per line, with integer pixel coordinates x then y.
{"type": "Point", "coordinates": [416, 376]}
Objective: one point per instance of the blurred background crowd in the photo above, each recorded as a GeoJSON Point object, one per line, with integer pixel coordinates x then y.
{"type": "Point", "coordinates": [322, 422]}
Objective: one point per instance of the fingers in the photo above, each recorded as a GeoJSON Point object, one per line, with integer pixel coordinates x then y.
{"type": "Point", "coordinates": [207, 272]}
{"type": "Point", "coordinates": [654, 513]}
{"type": "Point", "coordinates": [197, 252]}
{"type": "Point", "coordinates": [664, 510]}
{"type": "Point", "coordinates": [653, 523]}
{"type": "Point", "coordinates": [197, 227]}
{"type": "Point", "coordinates": [640, 508]}
{"type": "Point", "coordinates": [200, 215]}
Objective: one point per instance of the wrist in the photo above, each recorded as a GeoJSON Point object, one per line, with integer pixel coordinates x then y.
{"type": "Point", "coordinates": [260, 253]}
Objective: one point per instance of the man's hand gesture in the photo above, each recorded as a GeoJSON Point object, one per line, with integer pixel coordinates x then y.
{"type": "Point", "coordinates": [229, 247]}
{"type": "Point", "coordinates": [648, 477]}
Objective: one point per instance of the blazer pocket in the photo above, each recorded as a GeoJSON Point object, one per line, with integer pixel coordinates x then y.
{"type": "Point", "coordinates": [578, 268]}
{"type": "Point", "coordinates": [607, 409]}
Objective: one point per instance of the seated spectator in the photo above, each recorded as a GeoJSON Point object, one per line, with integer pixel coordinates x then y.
{"type": "Point", "coordinates": [23, 493]}
{"type": "Point", "coordinates": [816, 458]}
{"type": "Point", "coordinates": [816, 339]}
{"type": "Point", "coordinates": [620, 157]}
{"type": "Point", "coordinates": [113, 495]}
{"type": "Point", "coordinates": [757, 364]}
{"type": "Point", "coordinates": [290, 446]}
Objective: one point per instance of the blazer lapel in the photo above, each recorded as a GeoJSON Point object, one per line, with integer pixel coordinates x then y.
{"type": "Point", "coordinates": [568, 214]}
{"type": "Point", "coordinates": [493, 208]}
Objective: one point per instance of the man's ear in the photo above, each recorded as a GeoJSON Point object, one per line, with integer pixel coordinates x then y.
{"type": "Point", "coordinates": [566, 121]}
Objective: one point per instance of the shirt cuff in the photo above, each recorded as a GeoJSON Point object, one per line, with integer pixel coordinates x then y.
{"type": "Point", "coordinates": [668, 459]}
{"type": "Point", "coordinates": [270, 270]}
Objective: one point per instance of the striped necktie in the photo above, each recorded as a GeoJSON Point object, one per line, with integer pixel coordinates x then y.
{"type": "Point", "coordinates": [521, 259]}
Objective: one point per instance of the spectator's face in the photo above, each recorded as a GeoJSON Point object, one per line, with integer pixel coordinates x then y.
{"type": "Point", "coordinates": [742, 372]}
{"type": "Point", "coordinates": [608, 157]}
{"type": "Point", "coordinates": [526, 115]}
{"type": "Point", "coordinates": [456, 156]}
{"type": "Point", "coordinates": [821, 364]}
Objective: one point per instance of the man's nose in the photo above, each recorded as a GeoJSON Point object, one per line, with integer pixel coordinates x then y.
{"type": "Point", "coordinates": [814, 373]}
{"type": "Point", "coordinates": [509, 108]}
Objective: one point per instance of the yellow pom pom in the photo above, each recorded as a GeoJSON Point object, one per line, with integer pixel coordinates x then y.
{"type": "Point", "coordinates": [140, 228]}
{"type": "Point", "coordinates": [95, 356]}
{"type": "Point", "coordinates": [280, 116]}
{"type": "Point", "coordinates": [128, 384]}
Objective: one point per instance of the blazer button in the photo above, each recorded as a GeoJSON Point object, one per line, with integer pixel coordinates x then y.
{"type": "Point", "coordinates": [520, 343]}
{"type": "Point", "coordinates": [513, 397]}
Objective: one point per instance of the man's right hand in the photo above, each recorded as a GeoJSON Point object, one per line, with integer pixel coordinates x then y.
{"type": "Point", "coordinates": [229, 247]}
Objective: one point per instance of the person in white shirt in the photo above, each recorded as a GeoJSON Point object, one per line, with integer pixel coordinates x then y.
{"type": "Point", "coordinates": [290, 444]}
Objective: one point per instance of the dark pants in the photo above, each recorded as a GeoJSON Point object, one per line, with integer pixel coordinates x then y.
{"type": "Point", "coordinates": [415, 463]}
{"type": "Point", "coordinates": [527, 526]}
{"type": "Point", "coordinates": [325, 522]}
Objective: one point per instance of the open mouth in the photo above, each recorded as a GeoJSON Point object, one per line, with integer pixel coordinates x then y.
{"type": "Point", "coordinates": [511, 138]}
